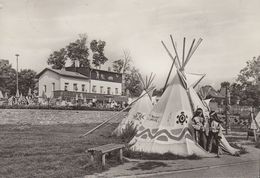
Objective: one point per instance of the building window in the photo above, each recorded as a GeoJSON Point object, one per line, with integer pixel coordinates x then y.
{"type": "Point", "coordinates": [75, 87]}
{"type": "Point", "coordinates": [83, 87]}
{"type": "Point", "coordinates": [116, 91]}
{"type": "Point", "coordinates": [94, 90]}
{"type": "Point", "coordinates": [66, 86]}
{"type": "Point", "coordinates": [101, 89]}
{"type": "Point", "coordinates": [53, 86]}
{"type": "Point", "coordinates": [45, 88]}
{"type": "Point", "coordinates": [108, 90]}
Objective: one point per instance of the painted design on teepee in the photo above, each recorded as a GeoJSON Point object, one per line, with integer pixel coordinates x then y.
{"type": "Point", "coordinates": [147, 132]}
{"type": "Point", "coordinates": [140, 108]}
{"type": "Point", "coordinates": [182, 118]}
{"type": "Point", "coordinates": [162, 138]}
{"type": "Point", "coordinates": [144, 136]}
{"type": "Point", "coordinates": [176, 131]}
{"type": "Point", "coordinates": [141, 128]}
{"type": "Point", "coordinates": [139, 116]}
{"type": "Point", "coordinates": [154, 118]}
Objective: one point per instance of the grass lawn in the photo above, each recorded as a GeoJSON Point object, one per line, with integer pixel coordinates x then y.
{"type": "Point", "coordinates": [49, 150]}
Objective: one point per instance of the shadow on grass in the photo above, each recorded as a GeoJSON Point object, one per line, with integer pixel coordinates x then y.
{"type": "Point", "coordinates": [156, 156]}
{"type": "Point", "coordinates": [112, 160]}
{"type": "Point", "coordinates": [149, 165]}
{"type": "Point", "coordinates": [257, 144]}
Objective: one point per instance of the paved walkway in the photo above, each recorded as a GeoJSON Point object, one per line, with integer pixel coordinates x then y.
{"type": "Point", "coordinates": [142, 168]}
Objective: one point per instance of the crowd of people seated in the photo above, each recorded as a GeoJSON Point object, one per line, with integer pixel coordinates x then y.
{"type": "Point", "coordinates": [59, 102]}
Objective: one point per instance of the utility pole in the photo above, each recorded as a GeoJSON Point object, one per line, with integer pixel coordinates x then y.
{"type": "Point", "coordinates": [226, 110]}
{"type": "Point", "coordinates": [17, 89]}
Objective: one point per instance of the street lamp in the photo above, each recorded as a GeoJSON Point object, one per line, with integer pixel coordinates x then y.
{"type": "Point", "coordinates": [17, 90]}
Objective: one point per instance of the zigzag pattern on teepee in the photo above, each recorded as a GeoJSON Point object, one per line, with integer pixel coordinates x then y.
{"type": "Point", "coordinates": [140, 109]}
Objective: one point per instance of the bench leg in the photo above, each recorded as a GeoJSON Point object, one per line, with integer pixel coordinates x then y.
{"type": "Point", "coordinates": [121, 155]}
{"type": "Point", "coordinates": [103, 159]}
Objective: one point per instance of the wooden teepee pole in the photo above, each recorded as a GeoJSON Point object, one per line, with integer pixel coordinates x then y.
{"type": "Point", "coordinates": [174, 47]}
{"type": "Point", "coordinates": [170, 71]}
{"type": "Point", "coordinates": [149, 80]}
{"type": "Point", "coordinates": [168, 52]}
{"type": "Point", "coordinates": [192, 52]}
{"type": "Point", "coordinates": [142, 80]}
{"type": "Point", "coordinates": [183, 52]}
{"type": "Point", "coordinates": [186, 60]}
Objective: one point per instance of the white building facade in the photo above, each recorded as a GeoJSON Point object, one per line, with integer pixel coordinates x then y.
{"type": "Point", "coordinates": [92, 83]}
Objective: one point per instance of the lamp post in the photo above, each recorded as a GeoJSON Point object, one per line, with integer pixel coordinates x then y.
{"type": "Point", "coordinates": [17, 89]}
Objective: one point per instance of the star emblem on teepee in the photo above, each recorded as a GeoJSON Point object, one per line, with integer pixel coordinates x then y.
{"type": "Point", "coordinates": [182, 118]}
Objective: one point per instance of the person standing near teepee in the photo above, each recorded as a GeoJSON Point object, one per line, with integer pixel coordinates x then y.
{"type": "Point", "coordinates": [199, 125]}
{"type": "Point", "coordinates": [215, 132]}
{"type": "Point", "coordinates": [253, 125]}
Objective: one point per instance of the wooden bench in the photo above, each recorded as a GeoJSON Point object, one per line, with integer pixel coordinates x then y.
{"type": "Point", "coordinates": [104, 150]}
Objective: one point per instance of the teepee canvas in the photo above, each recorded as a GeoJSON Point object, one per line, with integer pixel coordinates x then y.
{"type": "Point", "coordinates": [1, 95]}
{"type": "Point", "coordinates": [257, 121]}
{"type": "Point", "coordinates": [139, 110]}
{"type": "Point", "coordinates": [167, 127]}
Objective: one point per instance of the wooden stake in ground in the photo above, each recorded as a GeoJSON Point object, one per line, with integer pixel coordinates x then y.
{"type": "Point", "coordinates": [95, 128]}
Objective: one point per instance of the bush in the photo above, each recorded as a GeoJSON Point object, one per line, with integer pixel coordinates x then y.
{"type": "Point", "coordinates": [128, 132]}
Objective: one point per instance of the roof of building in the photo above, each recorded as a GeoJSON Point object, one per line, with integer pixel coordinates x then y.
{"type": "Point", "coordinates": [96, 74]}
{"type": "Point", "coordinates": [63, 72]}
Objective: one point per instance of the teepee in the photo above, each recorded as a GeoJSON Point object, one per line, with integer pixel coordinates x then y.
{"type": "Point", "coordinates": [168, 128]}
{"type": "Point", "coordinates": [1, 95]}
{"type": "Point", "coordinates": [257, 121]}
{"type": "Point", "coordinates": [140, 109]}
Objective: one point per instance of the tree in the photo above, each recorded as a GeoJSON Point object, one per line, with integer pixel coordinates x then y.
{"type": "Point", "coordinates": [78, 51]}
{"type": "Point", "coordinates": [123, 65]}
{"type": "Point", "coordinates": [7, 79]}
{"type": "Point", "coordinates": [130, 74]}
{"type": "Point", "coordinates": [246, 90]}
{"type": "Point", "coordinates": [75, 51]}
{"type": "Point", "coordinates": [235, 93]}
{"type": "Point", "coordinates": [225, 84]}
{"type": "Point", "coordinates": [57, 59]}
{"type": "Point", "coordinates": [133, 83]}
{"type": "Point", "coordinates": [250, 73]}
{"type": "Point", "coordinates": [118, 65]}
{"type": "Point", "coordinates": [97, 48]}
{"type": "Point", "coordinates": [26, 81]}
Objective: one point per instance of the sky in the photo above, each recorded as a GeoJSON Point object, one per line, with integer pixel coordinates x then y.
{"type": "Point", "coordinates": [229, 29]}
